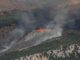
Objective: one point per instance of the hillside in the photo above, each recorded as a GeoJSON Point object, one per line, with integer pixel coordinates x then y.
{"type": "Point", "coordinates": [52, 44]}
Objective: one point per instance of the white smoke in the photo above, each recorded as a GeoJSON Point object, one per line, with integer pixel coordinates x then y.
{"type": "Point", "coordinates": [55, 29]}
{"type": "Point", "coordinates": [11, 39]}
{"type": "Point", "coordinates": [28, 23]}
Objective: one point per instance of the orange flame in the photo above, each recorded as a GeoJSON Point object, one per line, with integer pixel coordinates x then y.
{"type": "Point", "coordinates": [40, 29]}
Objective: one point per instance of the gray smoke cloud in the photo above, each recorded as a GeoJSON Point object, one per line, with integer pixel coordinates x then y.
{"type": "Point", "coordinates": [54, 26]}
{"type": "Point", "coordinates": [55, 30]}
{"type": "Point", "coordinates": [28, 21]}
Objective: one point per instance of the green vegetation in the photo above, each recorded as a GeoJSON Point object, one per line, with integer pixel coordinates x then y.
{"type": "Point", "coordinates": [10, 18]}
{"type": "Point", "coordinates": [52, 44]}
{"type": "Point", "coordinates": [7, 20]}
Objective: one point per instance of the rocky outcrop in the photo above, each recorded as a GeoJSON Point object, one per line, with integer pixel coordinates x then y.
{"type": "Point", "coordinates": [73, 49]}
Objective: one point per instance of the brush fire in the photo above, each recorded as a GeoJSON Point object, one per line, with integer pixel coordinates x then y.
{"type": "Point", "coordinates": [40, 29]}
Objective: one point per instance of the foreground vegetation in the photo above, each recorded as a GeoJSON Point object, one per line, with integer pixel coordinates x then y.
{"type": "Point", "coordinates": [65, 40]}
